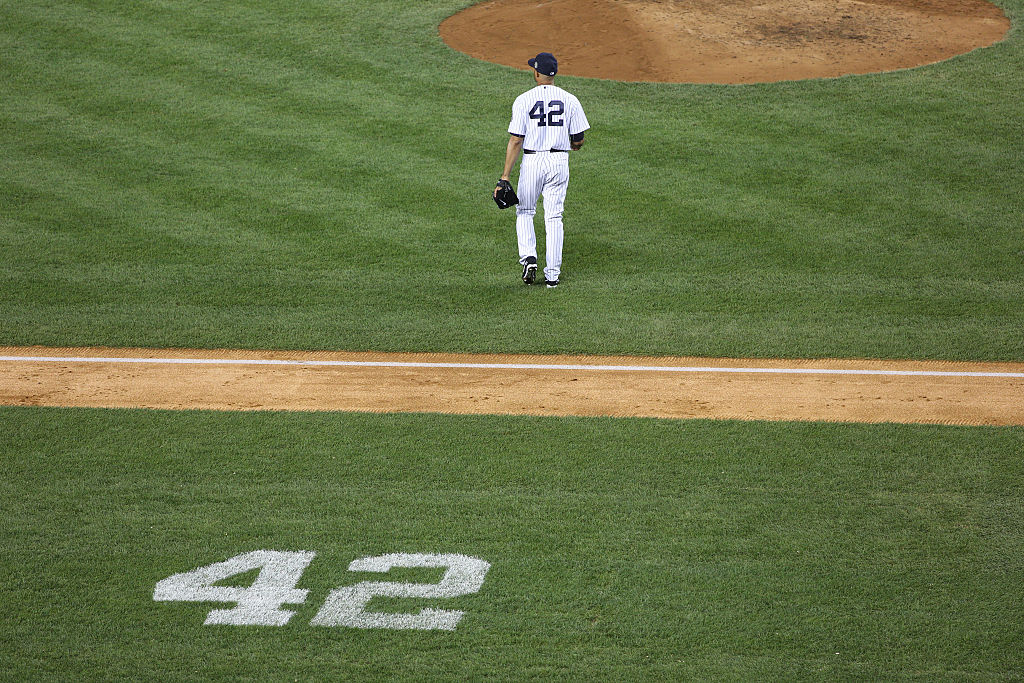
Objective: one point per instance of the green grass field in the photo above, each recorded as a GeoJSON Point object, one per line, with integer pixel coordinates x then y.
{"type": "Point", "coordinates": [314, 175]}
{"type": "Point", "coordinates": [620, 549]}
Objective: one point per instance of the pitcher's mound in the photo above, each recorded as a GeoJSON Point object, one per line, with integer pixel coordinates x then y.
{"type": "Point", "coordinates": [724, 41]}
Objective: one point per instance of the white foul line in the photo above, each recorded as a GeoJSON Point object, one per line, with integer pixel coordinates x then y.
{"type": "Point", "coordinates": [505, 366]}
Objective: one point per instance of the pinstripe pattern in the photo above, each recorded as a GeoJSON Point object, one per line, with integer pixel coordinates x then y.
{"type": "Point", "coordinates": [544, 174]}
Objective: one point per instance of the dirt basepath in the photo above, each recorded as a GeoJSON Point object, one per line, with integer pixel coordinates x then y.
{"type": "Point", "coordinates": [818, 390]}
{"type": "Point", "coordinates": [724, 41]}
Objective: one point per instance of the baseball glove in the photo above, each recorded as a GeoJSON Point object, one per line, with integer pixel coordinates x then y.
{"type": "Point", "coordinates": [504, 195]}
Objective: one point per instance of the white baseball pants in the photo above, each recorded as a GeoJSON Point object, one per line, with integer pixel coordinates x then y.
{"type": "Point", "coordinates": [547, 174]}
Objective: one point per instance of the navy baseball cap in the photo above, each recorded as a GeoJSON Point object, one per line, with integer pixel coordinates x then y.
{"type": "Point", "coordinates": [544, 63]}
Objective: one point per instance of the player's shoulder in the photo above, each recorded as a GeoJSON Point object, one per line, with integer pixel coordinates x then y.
{"type": "Point", "coordinates": [568, 96]}
{"type": "Point", "coordinates": [525, 97]}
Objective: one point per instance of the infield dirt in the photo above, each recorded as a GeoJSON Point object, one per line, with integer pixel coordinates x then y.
{"type": "Point", "coordinates": [724, 41]}
{"type": "Point", "coordinates": [238, 380]}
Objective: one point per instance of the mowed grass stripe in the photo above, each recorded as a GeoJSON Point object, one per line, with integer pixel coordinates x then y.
{"type": "Point", "coordinates": [280, 175]}
{"type": "Point", "coordinates": [264, 167]}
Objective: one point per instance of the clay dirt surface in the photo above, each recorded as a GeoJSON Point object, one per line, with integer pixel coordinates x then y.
{"type": "Point", "coordinates": [682, 388]}
{"type": "Point", "coordinates": [724, 41]}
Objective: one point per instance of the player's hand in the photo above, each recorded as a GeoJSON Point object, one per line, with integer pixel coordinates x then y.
{"type": "Point", "coordinates": [499, 185]}
{"type": "Point", "coordinates": [504, 196]}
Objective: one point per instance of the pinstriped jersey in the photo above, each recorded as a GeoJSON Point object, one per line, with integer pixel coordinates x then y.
{"type": "Point", "coordinates": [546, 116]}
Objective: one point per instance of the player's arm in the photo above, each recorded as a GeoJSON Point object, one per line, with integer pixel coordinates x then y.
{"type": "Point", "coordinates": [515, 145]}
{"type": "Point", "coordinates": [576, 141]}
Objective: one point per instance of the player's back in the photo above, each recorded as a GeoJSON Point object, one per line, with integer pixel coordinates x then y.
{"type": "Point", "coordinates": [546, 116]}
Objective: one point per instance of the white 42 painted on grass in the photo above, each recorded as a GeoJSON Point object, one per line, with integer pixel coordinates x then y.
{"type": "Point", "coordinates": [261, 603]}
{"type": "Point", "coordinates": [256, 605]}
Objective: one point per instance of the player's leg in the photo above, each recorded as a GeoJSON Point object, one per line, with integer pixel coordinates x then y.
{"type": "Point", "coordinates": [554, 202]}
{"type": "Point", "coordinates": [528, 190]}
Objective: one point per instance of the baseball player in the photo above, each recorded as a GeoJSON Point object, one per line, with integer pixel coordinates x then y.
{"type": "Point", "coordinates": [546, 123]}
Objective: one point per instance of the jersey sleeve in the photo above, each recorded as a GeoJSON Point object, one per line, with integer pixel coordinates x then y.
{"type": "Point", "coordinates": [577, 118]}
{"type": "Point", "coordinates": [518, 124]}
